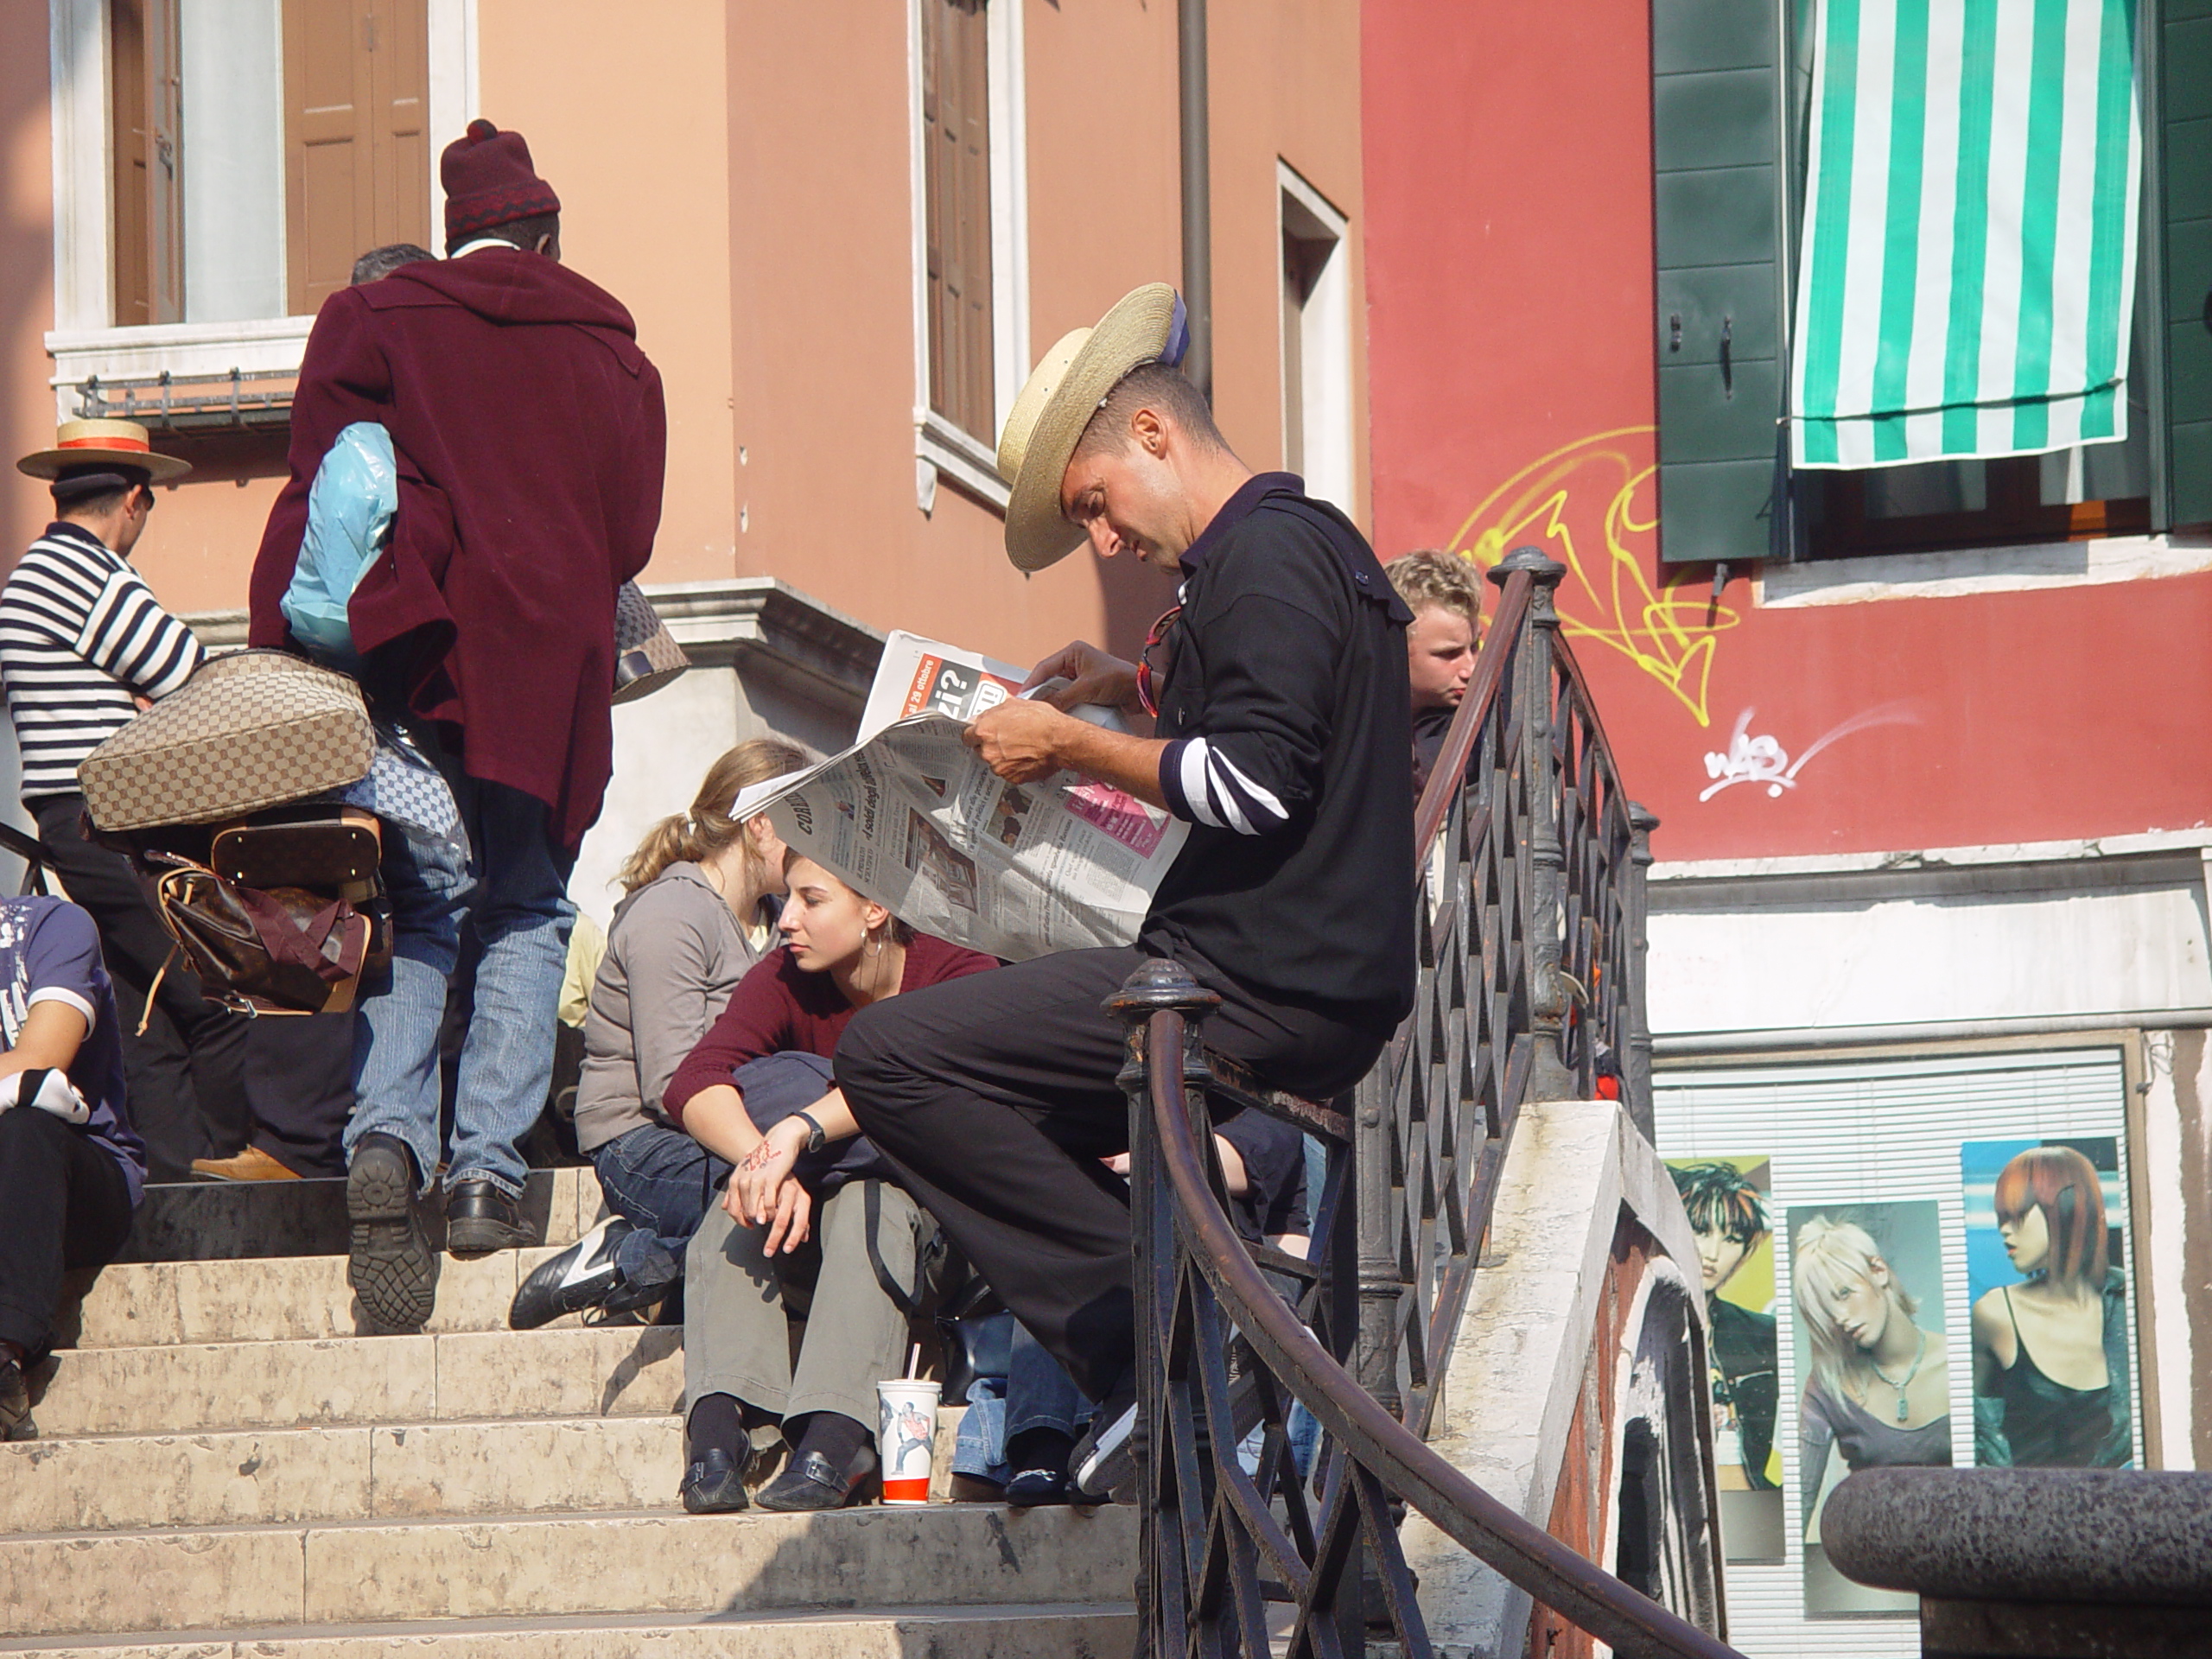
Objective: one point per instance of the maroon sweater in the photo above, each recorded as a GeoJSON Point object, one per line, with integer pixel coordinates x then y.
{"type": "Point", "coordinates": [778, 1008]}
{"type": "Point", "coordinates": [530, 433]}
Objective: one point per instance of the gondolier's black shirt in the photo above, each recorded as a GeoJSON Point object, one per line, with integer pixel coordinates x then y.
{"type": "Point", "coordinates": [1286, 701]}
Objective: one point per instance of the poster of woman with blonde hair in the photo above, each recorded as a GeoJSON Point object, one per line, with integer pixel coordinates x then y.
{"type": "Point", "coordinates": [1872, 1362]}
{"type": "Point", "coordinates": [2050, 1373]}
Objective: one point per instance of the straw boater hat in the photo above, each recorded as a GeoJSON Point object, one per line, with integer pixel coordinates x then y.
{"type": "Point", "coordinates": [84, 446]}
{"type": "Point", "coordinates": [1062, 393]}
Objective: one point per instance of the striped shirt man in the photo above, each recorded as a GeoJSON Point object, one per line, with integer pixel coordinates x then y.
{"type": "Point", "coordinates": [81, 636]}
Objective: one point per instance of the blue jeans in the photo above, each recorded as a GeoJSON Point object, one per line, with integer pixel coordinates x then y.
{"type": "Point", "coordinates": [1037, 1393]}
{"type": "Point", "coordinates": [665, 1182]}
{"type": "Point", "coordinates": [514, 886]}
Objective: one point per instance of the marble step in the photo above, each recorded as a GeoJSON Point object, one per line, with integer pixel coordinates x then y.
{"type": "Point", "coordinates": [361, 1472]}
{"type": "Point", "coordinates": [621, 1370]}
{"type": "Point", "coordinates": [283, 1298]}
{"type": "Point", "coordinates": [1051, 1630]}
{"type": "Point", "coordinates": [192, 1221]}
{"type": "Point", "coordinates": [226, 1578]}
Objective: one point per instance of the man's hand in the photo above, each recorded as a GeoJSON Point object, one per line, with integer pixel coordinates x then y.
{"type": "Point", "coordinates": [1094, 675]}
{"type": "Point", "coordinates": [1021, 741]}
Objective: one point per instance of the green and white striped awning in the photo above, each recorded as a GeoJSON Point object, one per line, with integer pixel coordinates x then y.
{"type": "Point", "coordinates": [1967, 272]}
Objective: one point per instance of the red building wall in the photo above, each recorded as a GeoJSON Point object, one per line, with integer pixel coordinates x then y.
{"type": "Point", "coordinates": [1509, 329]}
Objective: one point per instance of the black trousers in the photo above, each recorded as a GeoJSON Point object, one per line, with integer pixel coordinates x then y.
{"type": "Point", "coordinates": [67, 1206]}
{"type": "Point", "coordinates": [204, 1081]}
{"type": "Point", "coordinates": [994, 1098]}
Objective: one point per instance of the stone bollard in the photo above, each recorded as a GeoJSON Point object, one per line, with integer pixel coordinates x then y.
{"type": "Point", "coordinates": [2056, 1563]}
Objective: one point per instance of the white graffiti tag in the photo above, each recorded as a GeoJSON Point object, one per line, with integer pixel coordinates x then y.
{"type": "Point", "coordinates": [1762, 759]}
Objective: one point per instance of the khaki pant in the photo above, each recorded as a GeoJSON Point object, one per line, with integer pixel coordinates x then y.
{"type": "Point", "coordinates": [737, 1341]}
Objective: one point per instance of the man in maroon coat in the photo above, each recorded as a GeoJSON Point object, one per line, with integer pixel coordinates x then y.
{"type": "Point", "coordinates": [530, 436]}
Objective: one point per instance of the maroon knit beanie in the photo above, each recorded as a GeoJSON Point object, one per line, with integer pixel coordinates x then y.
{"type": "Point", "coordinates": [489, 182]}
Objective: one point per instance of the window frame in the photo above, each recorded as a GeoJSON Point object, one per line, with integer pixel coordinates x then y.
{"type": "Point", "coordinates": [1326, 380]}
{"type": "Point", "coordinates": [942, 450]}
{"type": "Point", "coordinates": [85, 341]}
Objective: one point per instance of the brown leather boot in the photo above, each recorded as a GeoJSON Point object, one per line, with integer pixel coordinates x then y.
{"type": "Point", "coordinates": [251, 1165]}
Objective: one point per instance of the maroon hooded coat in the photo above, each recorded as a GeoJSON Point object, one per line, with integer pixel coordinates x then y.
{"type": "Point", "coordinates": [530, 438]}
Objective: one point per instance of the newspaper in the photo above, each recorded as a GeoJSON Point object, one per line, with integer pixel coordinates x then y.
{"type": "Point", "coordinates": [912, 818]}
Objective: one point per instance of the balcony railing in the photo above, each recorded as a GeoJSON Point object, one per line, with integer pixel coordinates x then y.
{"type": "Point", "coordinates": [1530, 988]}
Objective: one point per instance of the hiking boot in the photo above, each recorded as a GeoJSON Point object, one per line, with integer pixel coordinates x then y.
{"type": "Point", "coordinates": [390, 1262]}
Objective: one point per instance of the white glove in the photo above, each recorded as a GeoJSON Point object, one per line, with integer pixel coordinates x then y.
{"type": "Point", "coordinates": [48, 1090]}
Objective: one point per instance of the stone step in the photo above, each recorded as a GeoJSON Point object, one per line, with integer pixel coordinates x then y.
{"type": "Point", "coordinates": [363, 1473]}
{"type": "Point", "coordinates": [621, 1370]}
{"type": "Point", "coordinates": [1050, 1630]}
{"type": "Point", "coordinates": [222, 1578]}
{"type": "Point", "coordinates": [285, 1299]}
{"type": "Point", "coordinates": [270, 1476]}
{"type": "Point", "coordinates": [194, 1220]}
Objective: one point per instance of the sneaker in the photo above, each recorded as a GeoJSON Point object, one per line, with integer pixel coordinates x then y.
{"type": "Point", "coordinates": [1103, 1465]}
{"type": "Point", "coordinates": [585, 1275]}
{"type": "Point", "coordinates": [390, 1262]}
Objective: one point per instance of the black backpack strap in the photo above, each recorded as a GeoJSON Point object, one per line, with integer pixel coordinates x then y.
{"type": "Point", "coordinates": [911, 1305]}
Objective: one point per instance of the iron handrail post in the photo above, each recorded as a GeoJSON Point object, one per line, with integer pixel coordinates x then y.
{"type": "Point", "coordinates": [1533, 683]}
{"type": "Point", "coordinates": [1638, 1070]}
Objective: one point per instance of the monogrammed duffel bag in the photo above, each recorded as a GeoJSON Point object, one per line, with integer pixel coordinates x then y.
{"type": "Point", "coordinates": [254, 729]}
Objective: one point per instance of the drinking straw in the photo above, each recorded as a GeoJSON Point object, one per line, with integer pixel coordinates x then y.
{"type": "Point", "coordinates": [913, 1362]}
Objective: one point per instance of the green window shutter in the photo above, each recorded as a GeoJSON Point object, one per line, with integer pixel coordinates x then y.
{"type": "Point", "coordinates": [1716, 146]}
{"type": "Point", "coordinates": [2184, 142]}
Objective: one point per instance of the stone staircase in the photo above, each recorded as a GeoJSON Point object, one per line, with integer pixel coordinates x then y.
{"type": "Point", "coordinates": [228, 1465]}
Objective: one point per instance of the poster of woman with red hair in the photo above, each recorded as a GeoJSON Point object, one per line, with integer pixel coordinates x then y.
{"type": "Point", "coordinates": [2045, 1270]}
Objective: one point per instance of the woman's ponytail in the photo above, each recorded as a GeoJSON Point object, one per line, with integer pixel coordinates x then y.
{"type": "Point", "coordinates": [707, 828]}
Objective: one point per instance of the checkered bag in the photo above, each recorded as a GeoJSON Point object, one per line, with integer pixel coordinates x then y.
{"type": "Point", "coordinates": [646, 656]}
{"type": "Point", "coordinates": [254, 729]}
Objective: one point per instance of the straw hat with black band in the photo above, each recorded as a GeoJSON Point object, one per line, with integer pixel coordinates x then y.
{"type": "Point", "coordinates": [92, 457]}
{"type": "Point", "coordinates": [1062, 394]}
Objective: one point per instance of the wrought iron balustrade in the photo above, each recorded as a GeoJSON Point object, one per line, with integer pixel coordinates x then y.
{"type": "Point", "coordinates": [1530, 988]}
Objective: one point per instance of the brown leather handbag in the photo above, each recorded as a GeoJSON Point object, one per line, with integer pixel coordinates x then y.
{"type": "Point", "coordinates": [278, 950]}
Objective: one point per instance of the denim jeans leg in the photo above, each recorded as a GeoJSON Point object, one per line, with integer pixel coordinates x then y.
{"type": "Point", "coordinates": [523, 915]}
{"type": "Point", "coordinates": [396, 1040]}
{"type": "Point", "coordinates": [1040, 1394]}
{"type": "Point", "coordinates": [665, 1181]}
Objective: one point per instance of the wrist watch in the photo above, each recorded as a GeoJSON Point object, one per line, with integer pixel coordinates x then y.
{"type": "Point", "coordinates": [815, 1139]}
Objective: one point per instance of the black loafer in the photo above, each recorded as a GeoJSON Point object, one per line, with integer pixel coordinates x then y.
{"type": "Point", "coordinates": [810, 1481]}
{"type": "Point", "coordinates": [480, 1218]}
{"type": "Point", "coordinates": [388, 1263]}
{"type": "Point", "coordinates": [713, 1483]}
{"type": "Point", "coordinates": [15, 1403]}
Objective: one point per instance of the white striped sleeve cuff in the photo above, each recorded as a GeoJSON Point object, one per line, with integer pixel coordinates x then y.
{"type": "Point", "coordinates": [1204, 786]}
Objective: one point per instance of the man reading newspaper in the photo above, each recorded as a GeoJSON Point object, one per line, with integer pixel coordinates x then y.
{"type": "Point", "coordinates": [1281, 739]}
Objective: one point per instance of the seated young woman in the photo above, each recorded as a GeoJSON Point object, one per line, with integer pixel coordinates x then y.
{"type": "Point", "coordinates": [809, 1219]}
{"type": "Point", "coordinates": [694, 922]}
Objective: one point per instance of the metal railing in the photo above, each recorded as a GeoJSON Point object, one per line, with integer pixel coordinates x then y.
{"type": "Point", "coordinates": [33, 851]}
{"type": "Point", "coordinates": [1530, 988]}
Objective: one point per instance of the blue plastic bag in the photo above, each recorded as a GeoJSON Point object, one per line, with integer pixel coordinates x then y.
{"type": "Point", "coordinates": [350, 509]}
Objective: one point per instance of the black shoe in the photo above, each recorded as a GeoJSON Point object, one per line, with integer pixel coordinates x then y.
{"type": "Point", "coordinates": [1104, 1462]}
{"type": "Point", "coordinates": [714, 1482]}
{"type": "Point", "coordinates": [480, 1218]}
{"type": "Point", "coordinates": [582, 1276]}
{"type": "Point", "coordinates": [390, 1262]}
{"type": "Point", "coordinates": [15, 1403]}
{"type": "Point", "coordinates": [1037, 1489]}
{"type": "Point", "coordinates": [810, 1481]}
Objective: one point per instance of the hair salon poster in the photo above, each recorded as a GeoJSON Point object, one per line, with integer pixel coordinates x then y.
{"type": "Point", "coordinates": [1727, 1198]}
{"type": "Point", "coordinates": [1934, 1251]}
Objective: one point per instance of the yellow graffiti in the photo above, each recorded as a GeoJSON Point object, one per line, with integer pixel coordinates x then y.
{"type": "Point", "coordinates": [1671, 634]}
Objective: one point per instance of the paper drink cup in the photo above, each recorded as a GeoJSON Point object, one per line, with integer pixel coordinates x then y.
{"type": "Point", "coordinates": [906, 1438]}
